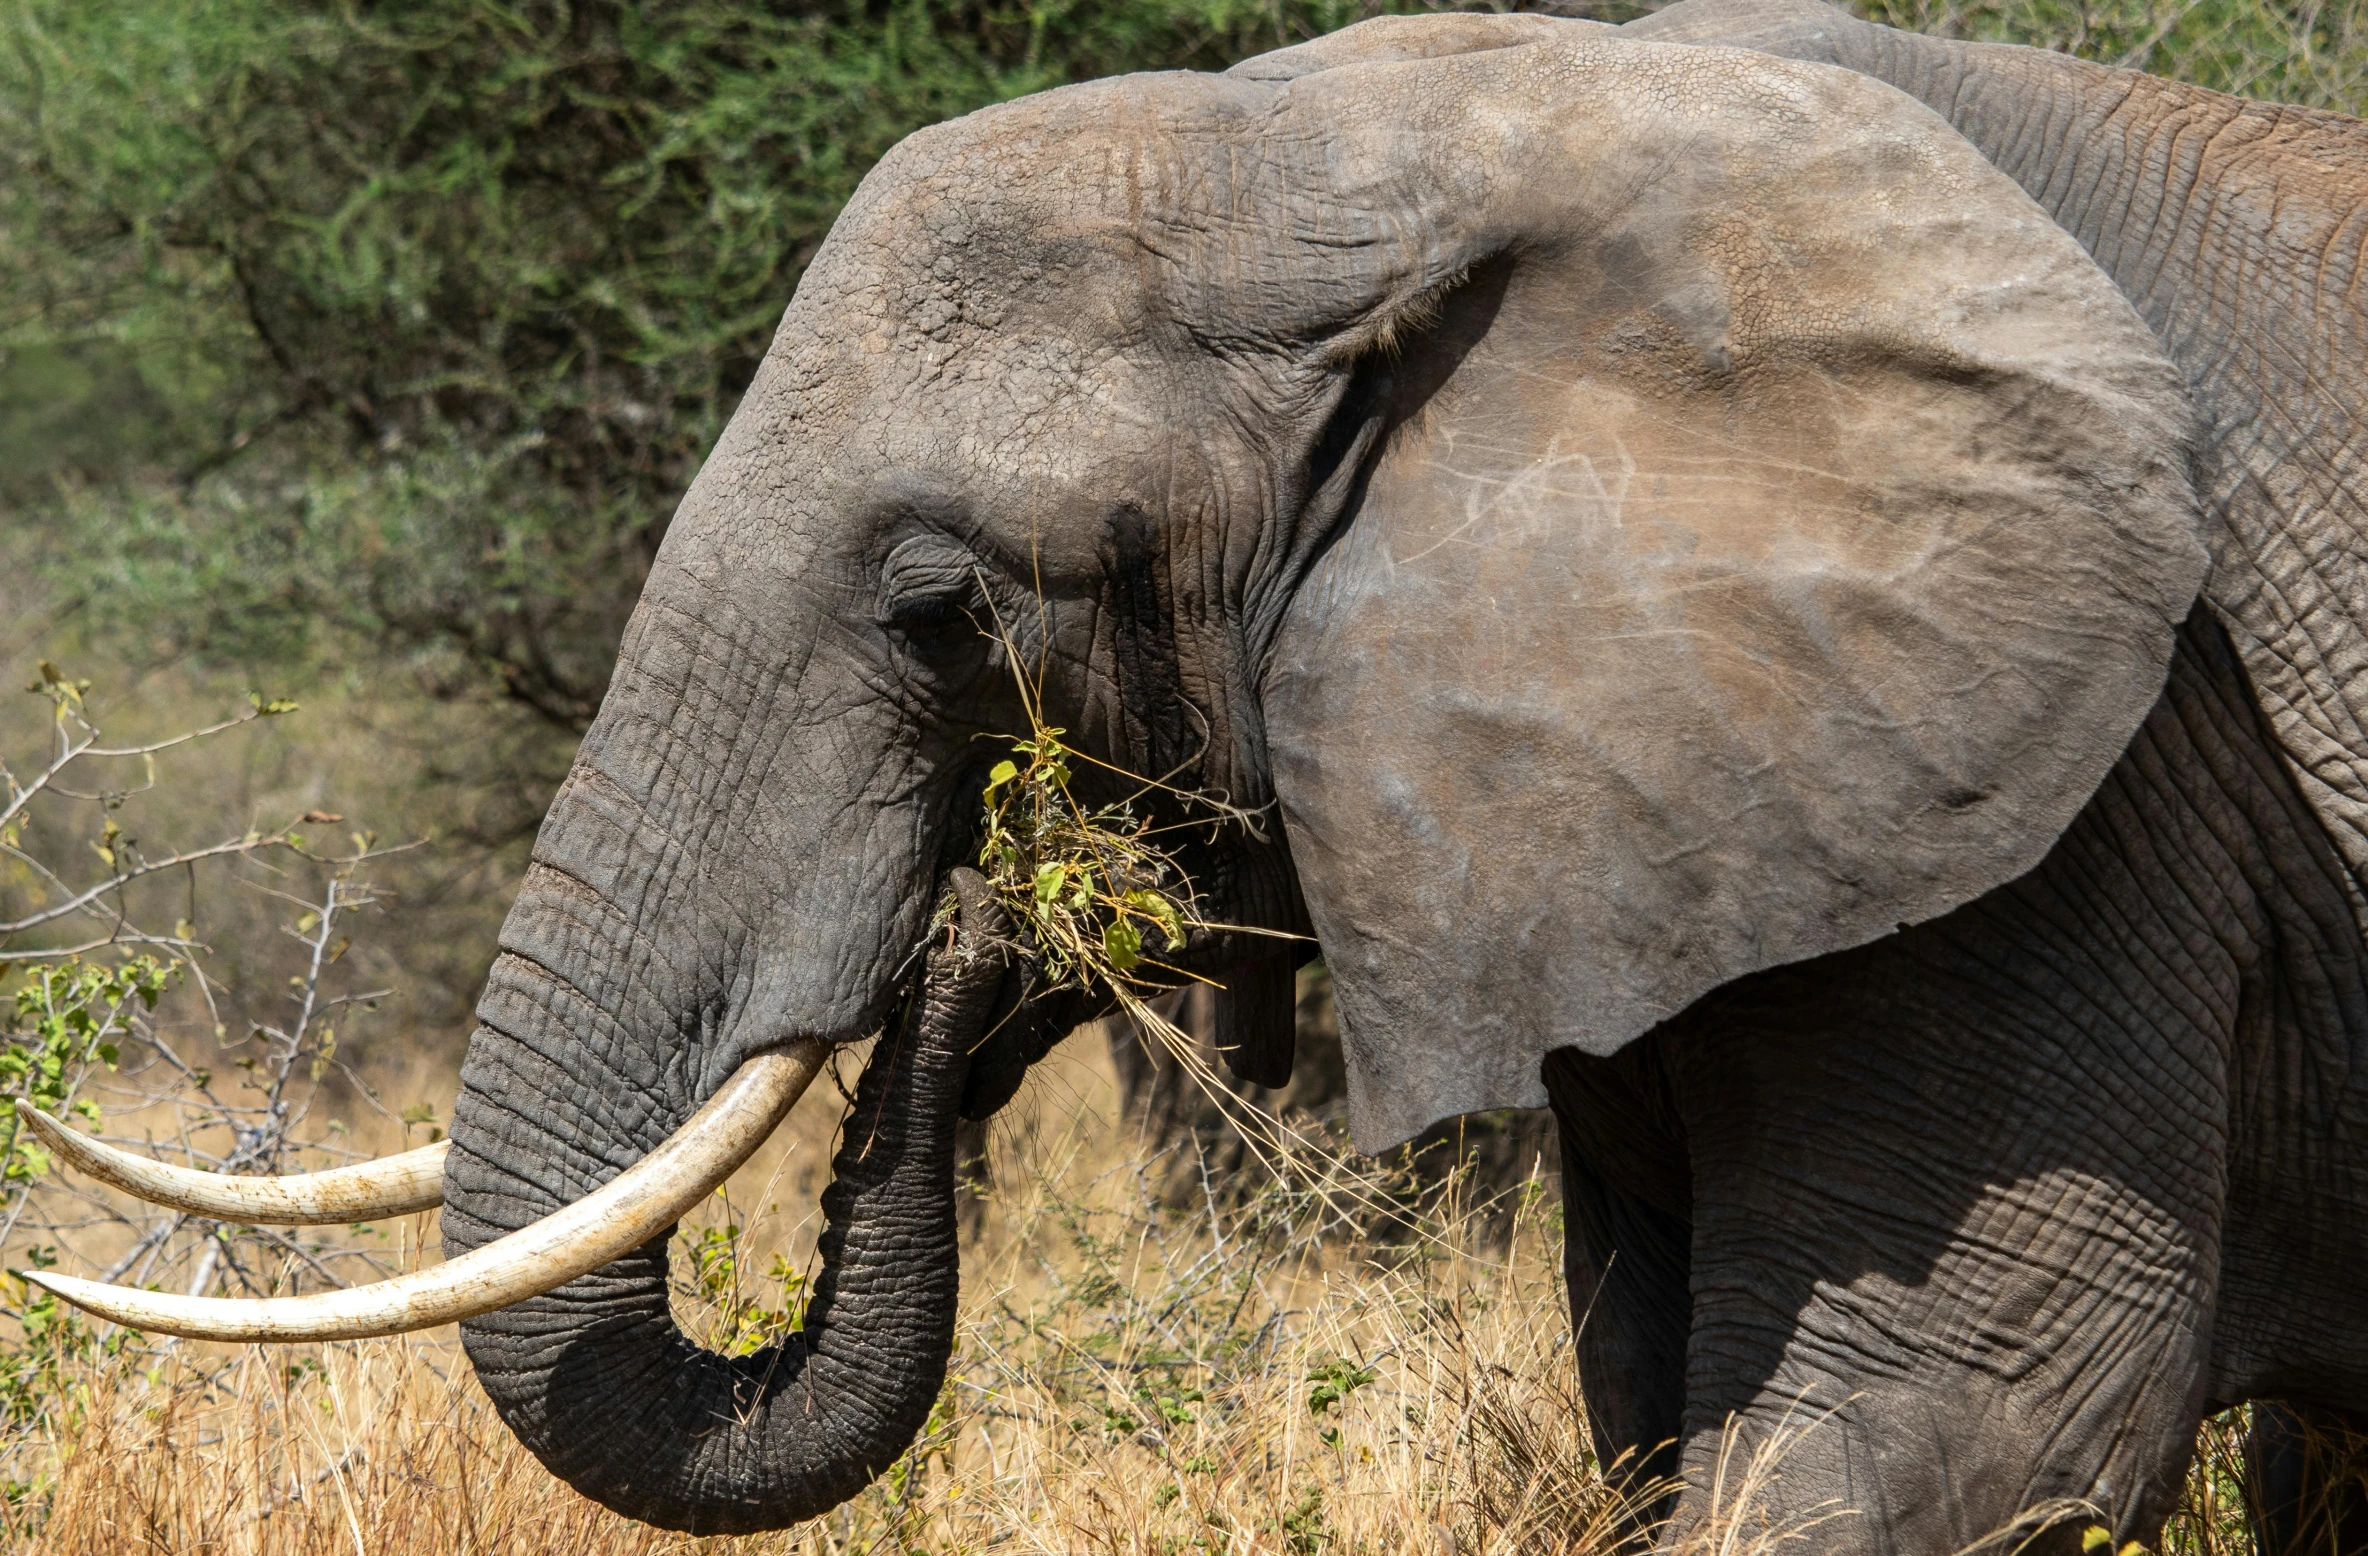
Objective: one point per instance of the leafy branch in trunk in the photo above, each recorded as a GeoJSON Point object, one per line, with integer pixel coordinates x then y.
{"type": "Point", "coordinates": [1085, 888]}
{"type": "Point", "coordinates": [1083, 885]}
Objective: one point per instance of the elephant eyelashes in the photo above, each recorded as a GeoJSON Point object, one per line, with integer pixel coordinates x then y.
{"type": "Point", "coordinates": [936, 626]}
{"type": "Point", "coordinates": [922, 613]}
{"type": "Point", "coordinates": [930, 595]}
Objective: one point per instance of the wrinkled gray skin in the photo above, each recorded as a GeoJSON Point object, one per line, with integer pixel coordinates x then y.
{"type": "Point", "coordinates": [2184, 974]}
{"type": "Point", "coordinates": [604, 1388]}
{"type": "Point", "coordinates": [1696, 575]}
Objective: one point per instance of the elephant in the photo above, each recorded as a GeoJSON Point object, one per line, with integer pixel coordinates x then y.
{"type": "Point", "coordinates": [1787, 590]}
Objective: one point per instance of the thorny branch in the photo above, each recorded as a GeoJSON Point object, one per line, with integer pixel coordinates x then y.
{"type": "Point", "coordinates": [107, 1027]}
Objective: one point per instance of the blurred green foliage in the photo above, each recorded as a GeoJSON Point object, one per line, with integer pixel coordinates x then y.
{"type": "Point", "coordinates": [69, 1015]}
{"type": "Point", "coordinates": [2308, 52]}
{"type": "Point", "coordinates": [384, 332]}
{"type": "Point", "coordinates": [419, 317]}
{"type": "Point", "coordinates": [44, 1374]}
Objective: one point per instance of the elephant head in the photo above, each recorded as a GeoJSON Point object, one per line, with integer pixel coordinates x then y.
{"type": "Point", "coordinates": [1637, 514]}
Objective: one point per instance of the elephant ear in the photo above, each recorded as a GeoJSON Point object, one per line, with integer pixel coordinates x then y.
{"type": "Point", "coordinates": [1782, 532]}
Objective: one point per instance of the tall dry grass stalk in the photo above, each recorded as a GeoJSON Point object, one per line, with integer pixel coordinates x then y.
{"type": "Point", "coordinates": [1128, 1379]}
{"type": "Point", "coordinates": [1243, 1380]}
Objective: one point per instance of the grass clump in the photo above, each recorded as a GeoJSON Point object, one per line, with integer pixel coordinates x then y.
{"type": "Point", "coordinates": [1127, 1380]}
{"type": "Point", "coordinates": [1240, 1380]}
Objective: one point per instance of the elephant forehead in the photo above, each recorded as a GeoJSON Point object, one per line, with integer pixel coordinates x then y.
{"type": "Point", "coordinates": [1016, 207]}
{"type": "Point", "coordinates": [1160, 210]}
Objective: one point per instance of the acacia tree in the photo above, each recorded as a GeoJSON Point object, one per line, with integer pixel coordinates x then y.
{"type": "Point", "coordinates": [427, 313]}
{"type": "Point", "coordinates": [403, 326]}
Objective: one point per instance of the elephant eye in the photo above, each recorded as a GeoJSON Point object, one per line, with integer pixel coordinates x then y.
{"type": "Point", "coordinates": [934, 624]}
{"type": "Point", "coordinates": [929, 598]}
{"type": "Point", "coordinates": [920, 612]}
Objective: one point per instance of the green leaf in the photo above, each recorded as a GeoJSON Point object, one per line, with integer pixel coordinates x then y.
{"type": "Point", "coordinates": [1335, 1381]}
{"type": "Point", "coordinates": [1124, 943]}
{"type": "Point", "coordinates": [1161, 912]}
{"type": "Point", "coordinates": [1049, 880]}
{"type": "Point", "coordinates": [999, 775]}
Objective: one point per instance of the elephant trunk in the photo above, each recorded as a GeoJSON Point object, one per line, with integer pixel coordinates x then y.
{"type": "Point", "coordinates": [598, 1381]}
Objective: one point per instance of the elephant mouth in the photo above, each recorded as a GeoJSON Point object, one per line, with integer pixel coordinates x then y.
{"type": "Point", "coordinates": [624, 1214]}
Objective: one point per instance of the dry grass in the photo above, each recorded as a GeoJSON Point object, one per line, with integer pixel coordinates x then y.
{"type": "Point", "coordinates": [1250, 1373]}
{"type": "Point", "coordinates": [1128, 1380]}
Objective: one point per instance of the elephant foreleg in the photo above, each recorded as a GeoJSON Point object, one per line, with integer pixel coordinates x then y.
{"type": "Point", "coordinates": [1625, 1254]}
{"type": "Point", "coordinates": [1949, 1282]}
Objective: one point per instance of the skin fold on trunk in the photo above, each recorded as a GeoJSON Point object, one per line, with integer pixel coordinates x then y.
{"type": "Point", "coordinates": [599, 1382]}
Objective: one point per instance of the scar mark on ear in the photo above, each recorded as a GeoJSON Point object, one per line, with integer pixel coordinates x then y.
{"type": "Point", "coordinates": [1556, 490]}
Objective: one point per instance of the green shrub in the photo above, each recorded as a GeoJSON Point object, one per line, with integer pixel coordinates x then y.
{"type": "Point", "coordinates": [430, 311]}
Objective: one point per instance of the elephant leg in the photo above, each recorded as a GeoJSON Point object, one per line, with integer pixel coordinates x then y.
{"type": "Point", "coordinates": [1960, 1194]}
{"type": "Point", "coordinates": [1626, 1266]}
{"type": "Point", "coordinates": [1624, 1256]}
{"type": "Point", "coordinates": [1944, 1281]}
{"type": "Point", "coordinates": [2307, 1468]}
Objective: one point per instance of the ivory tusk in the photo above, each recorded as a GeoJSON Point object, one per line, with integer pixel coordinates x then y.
{"type": "Point", "coordinates": [390, 1186]}
{"type": "Point", "coordinates": [612, 1220]}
